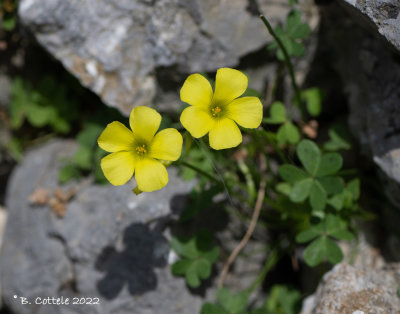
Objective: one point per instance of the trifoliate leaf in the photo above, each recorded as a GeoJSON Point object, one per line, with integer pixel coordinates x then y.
{"type": "Point", "coordinates": [309, 155]}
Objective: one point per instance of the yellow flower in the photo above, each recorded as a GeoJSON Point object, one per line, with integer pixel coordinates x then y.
{"type": "Point", "coordinates": [217, 113]}
{"type": "Point", "coordinates": [139, 150]}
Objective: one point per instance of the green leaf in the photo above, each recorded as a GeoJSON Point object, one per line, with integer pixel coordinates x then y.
{"type": "Point", "coordinates": [309, 155]}
{"type": "Point", "coordinates": [250, 92]}
{"type": "Point", "coordinates": [333, 252]}
{"type": "Point", "coordinates": [181, 267]}
{"type": "Point", "coordinates": [339, 139]}
{"type": "Point", "coordinates": [336, 201]}
{"type": "Point", "coordinates": [232, 303]}
{"type": "Point", "coordinates": [292, 133]}
{"type": "Point", "coordinates": [192, 277]}
{"type": "Point", "coordinates": [321, 248]}
{"type": "Point", "coordinates": [292, 174]}
{"type": "Point", "coordinates": [315, 252]}
{"type": "Point", "coordinates": [330, 164]}
{"type": "Point", "coordinates": [301, 32]}
{"type": "Point", "coordinates": [83, 158]}
{"type": "Point", "coordinates": [288, 133]}
{"type": "Point", "coordinates": [67, 173]}
{"type": "Point", "coordinates": [311, 233]}
{"type": "Point", "coordinates": [297, 49]}
{"type": "Point", "coordinates": [211, 255]}
{"type": "Point", "coordinates": [282, 300]}
{"type": "Point", "coordinates": [317, 197]}
{"type": "Point", "coordinates": [354, 188]}
{"type": "Point", "coordinates": [293, 21]}
{"type": "Point", "coordinates": [335, 227]}
{"type": "Point", "coordinates": [9, 22]}
{"type": "Point", "coordinates": [313, 100]}
{"type": "Point", "coordinates": [283, 188]}
{"type": "Point", "coordinates": [332, 185]}
{"type": "Point", "coordinates": [277, 114]}
{"type": "Point", "coordinates": [203, 268]}
{"type": "Point", "coordinates": [209, 308]}
{"type": "Point", "coordinates": [301, 190]}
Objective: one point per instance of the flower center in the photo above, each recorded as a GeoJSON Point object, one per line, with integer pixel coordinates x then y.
{"type": "Point", "coordinates": [141, 150]}
{"type": "Point", "coordinates": [215, 111]}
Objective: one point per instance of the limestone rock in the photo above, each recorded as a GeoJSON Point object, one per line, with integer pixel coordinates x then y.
{"type": "Point", "coordinates": [383, 15]}
{"type": "Point", "coordinates": [370, 75]}
{"type": "Point", "coordinates": [108, 245]}
{"type": "Point", "coordinates": [346, 289]}
{"type": "Point", "coordinates": [118, 48]}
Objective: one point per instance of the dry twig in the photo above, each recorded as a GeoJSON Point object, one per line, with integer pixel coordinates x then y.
{"type": "Point", "coordinates": [252, 226]}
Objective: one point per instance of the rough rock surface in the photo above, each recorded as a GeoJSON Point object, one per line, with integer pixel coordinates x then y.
{"type": "Point", "coordinates": [119, 48]}
{"type": "Point", "coordinates": [346, 289]}
{"type": "Point", "coordinates": [109, 244]}
{"type": "Point", "coordinates": [383, 15]}
{"type": "Point", "coordinates": [370, 75]}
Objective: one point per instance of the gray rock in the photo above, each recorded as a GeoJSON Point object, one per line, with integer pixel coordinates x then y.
{"type": "Point", "coordinates": [118, 48]}
{"type": "Point", "coordinates": [370, 75]}
{"type": "Point", "coordinates": [382, 15]}
{"type": "Point", "coordinates": [346, 289]}
{"type": "Point", "coordinates": [109, 244]}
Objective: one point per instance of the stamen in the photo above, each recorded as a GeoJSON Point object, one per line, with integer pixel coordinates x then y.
{"type": "Point", "coordinates": [141, 150]}
{"type": "Point", "coordinates": [215, 111]}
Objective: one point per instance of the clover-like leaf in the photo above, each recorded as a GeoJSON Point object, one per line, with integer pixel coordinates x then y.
{"type": "Point", "coordinates": [292, 174]}
{"type": "Point", "coordinates": [339, 139]}
{"type": "Point", "coordinates": [317, 197]}
{"type": "Point", "coordinates": [321, 248]}
{"type": "Point", "coordinates": [301, 190]}
{"type": "Point", "coordinates": [313, 100]}
{"type": "Point", "coordinates": [332, 185]}
{"type": "Point", "coordinates": [336, 228]}
{"type": "Point", "coordinates": [197, 256]}
{"type": "Point", "coordinates": [311, 233]}
{"type": "Point", "coordinates": [329, 164]}
{"type": "Point", "coordinates": [288, 133]}
{"type": "Point", "coordinates": [309, 155]}
{"type": "Point", "coordinates": [354, 188]}
{"type": "Point", "coordinates": [277, 114]}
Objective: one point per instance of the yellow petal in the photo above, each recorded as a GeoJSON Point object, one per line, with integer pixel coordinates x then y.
{"type": "Point", "coordinates": [197, 121]}
{"type": "Point", "coordinates": [197, 91]}
{"type": "Point", "coordinates": [225, 134]}
{"type": "Point", "coordinates": [229, 84]}
{"type": "Point", "coordinates": [150, 175]}
{"type": "Point", "coordinates": [246, 111]}
{"type": "Point", "coordinates": [118, 167]}
{"type": "Point", "coordinates": [144, 122]}
{"type": "Point", "coordinates": [166, 145]}
{"type": "Point", "coordinates": [116, 137]}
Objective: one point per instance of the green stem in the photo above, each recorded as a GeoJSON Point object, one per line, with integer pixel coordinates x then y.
{"type": "Point", "coordinates": [251, 187]}
{"type": "Point", "coordinates": [198, 170]}
{"type": "Point", "coordinates": [273, 258]}
{"type": "Point", "coordinates": [288, 62]}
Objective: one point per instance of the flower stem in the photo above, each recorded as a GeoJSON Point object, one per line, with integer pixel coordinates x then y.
{"type": "Point", "coordinates": [288, 63]}
{"type": "Point", "coordinates": [200, 171]}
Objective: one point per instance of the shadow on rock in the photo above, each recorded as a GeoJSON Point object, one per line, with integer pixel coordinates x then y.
{"type": "Point", "coordinates": [133, 265]}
